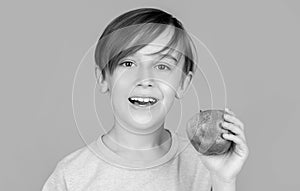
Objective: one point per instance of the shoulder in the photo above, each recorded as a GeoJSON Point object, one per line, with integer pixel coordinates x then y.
{"type": "Point", "coordinates": [192, 170]}
{"type": "Point", "coordinates": [186, 149]}
{"type": "Point", "coordinates": [78, 160]}
{"type": "Point", "coordinates": [188, 155]}
{"type": "Point", "coordinates": [77, 166]}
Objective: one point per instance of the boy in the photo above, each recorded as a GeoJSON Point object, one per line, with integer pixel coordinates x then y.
{"type": "Point", "coordinates": [144, 61]}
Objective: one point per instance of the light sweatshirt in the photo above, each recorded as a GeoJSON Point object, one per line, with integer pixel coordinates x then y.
{"type": "Point", "coordinates": [96, 167]}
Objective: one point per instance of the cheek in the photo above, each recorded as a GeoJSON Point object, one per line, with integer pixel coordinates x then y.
{"type": "Point", "coordinates": [172, 82]}
{"type": "Point", "coordinates": [168, 88]}
{"type": "Point", "coordinates": [121, 81]}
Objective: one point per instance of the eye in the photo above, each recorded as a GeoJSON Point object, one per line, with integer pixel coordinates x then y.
{"type": "Point", "coordinates": [126, 64]}
{"type": "Point", "coordinates": [163, 67]}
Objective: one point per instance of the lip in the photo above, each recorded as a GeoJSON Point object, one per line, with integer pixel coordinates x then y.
{"type": "Point", "coordinates": [145, 96]}
{"type": "Point", "coordinates": [143, 107]}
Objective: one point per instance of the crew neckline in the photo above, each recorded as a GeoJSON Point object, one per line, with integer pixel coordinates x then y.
{"type": "Point", "coordinates": [114, 159]}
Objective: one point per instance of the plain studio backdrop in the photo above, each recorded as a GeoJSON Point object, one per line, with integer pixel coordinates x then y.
{"type": "Point", "coordinates": [255, 43]}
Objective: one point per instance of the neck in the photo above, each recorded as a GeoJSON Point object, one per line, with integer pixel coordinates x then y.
{"type": "Point", "coordinates": [128, 140]}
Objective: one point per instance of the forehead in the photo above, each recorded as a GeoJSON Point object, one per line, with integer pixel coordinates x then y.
{"type": "Point", "coordinates": [160, 43]}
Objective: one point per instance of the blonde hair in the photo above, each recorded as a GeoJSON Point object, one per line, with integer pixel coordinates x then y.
{"type": "Point", "coordinates": [133, 30]}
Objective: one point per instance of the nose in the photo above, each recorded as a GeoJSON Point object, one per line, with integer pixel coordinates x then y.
{"type": "Point", "coordinates": [146, 83]}
{"type": "Point", "coordinates": [145, 78]}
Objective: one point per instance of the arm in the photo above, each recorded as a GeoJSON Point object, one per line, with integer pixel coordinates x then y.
{"type": "Point", "coordinates": [56, 181]}
{"type": "Point", "coordinates": [225, 168]}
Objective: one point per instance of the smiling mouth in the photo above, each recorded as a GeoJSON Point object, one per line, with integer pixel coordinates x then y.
{"type": "Point", "coordinates": [143, 101]}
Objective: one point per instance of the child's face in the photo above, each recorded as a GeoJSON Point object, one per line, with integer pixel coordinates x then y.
{"type": "Point", "coordinates": [142, 75]}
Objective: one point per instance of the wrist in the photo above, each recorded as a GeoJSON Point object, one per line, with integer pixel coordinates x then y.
{"type": "Point", "coordinates": [221, 184]}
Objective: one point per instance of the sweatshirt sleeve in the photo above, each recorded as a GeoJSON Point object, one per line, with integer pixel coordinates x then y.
{"type": "Point", "coordinates": [56, 181]}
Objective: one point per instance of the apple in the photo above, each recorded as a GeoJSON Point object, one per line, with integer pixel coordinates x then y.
{"type": "Point", "coordinates": [205, 131]}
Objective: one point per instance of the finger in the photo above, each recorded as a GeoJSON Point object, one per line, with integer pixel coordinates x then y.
{"type": "Point", "coordinates": [234, 129]}
{"type": "Point", "coordinates": [229, 111]}
{"type": "Point", "coordinates": [240, 148]}
{"type": "Point", "coordinates": [234, 120]}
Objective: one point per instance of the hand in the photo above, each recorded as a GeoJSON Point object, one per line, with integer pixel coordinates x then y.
{"type": "Point", "coordinates": [226, 167]}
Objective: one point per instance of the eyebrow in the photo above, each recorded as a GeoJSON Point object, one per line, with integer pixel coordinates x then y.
{"type": "Point", "coordinates": [162, 56]}
{"type": "Point", "coordinates": [168, 56]}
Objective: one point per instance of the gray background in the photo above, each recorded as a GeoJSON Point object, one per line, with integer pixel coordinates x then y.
{"type": "Point", "coordinates": [256, 44]}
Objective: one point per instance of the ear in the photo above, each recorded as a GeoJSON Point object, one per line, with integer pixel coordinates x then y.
{"type": "Point", "coordinates": [101, 82]}
{"type": "Point", "coordinates": [184, 85]}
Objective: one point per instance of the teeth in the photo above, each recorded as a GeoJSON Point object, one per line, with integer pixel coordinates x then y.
{"type": "Point", "coordinates": [149, 99]}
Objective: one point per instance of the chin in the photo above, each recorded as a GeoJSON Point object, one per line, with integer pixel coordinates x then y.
{"type": "Point", "coordinates": [144, 125]}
